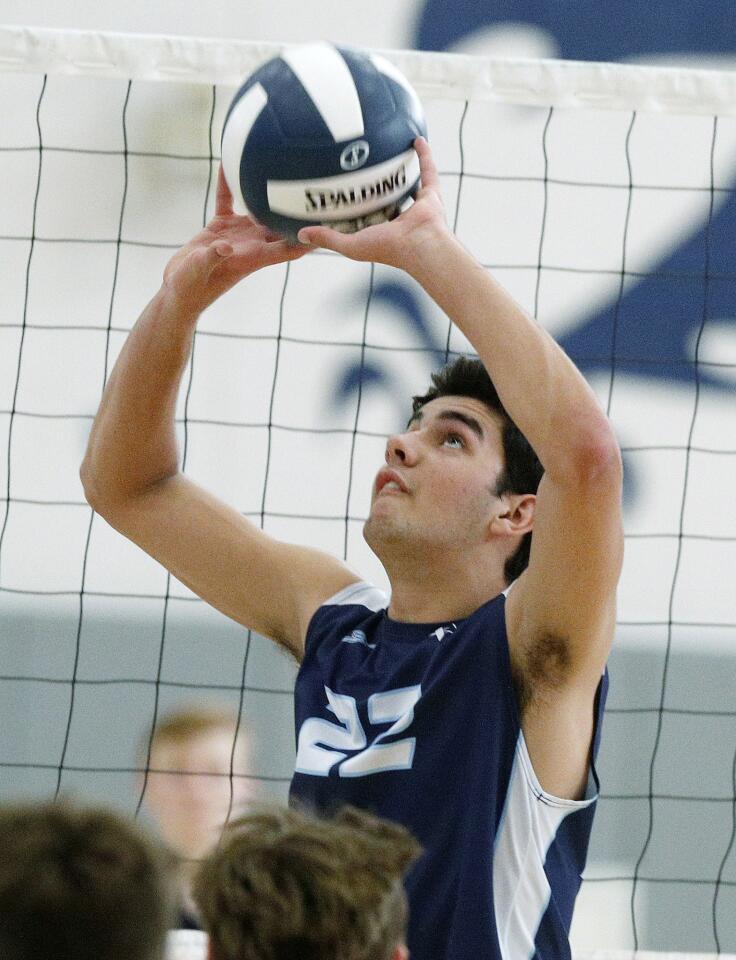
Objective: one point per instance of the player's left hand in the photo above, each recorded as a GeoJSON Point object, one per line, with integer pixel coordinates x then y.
{"type": "Point", "coordinates": [398, 242]}
{"type": "Point", "coordinates": [228, 249]}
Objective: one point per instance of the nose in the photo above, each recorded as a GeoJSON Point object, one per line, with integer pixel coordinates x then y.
{"type": "Point", "coordinates": [401, 448]}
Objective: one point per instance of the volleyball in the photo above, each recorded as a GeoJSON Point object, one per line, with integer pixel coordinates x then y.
{"type": "Point", "coordinates": [322, 135]}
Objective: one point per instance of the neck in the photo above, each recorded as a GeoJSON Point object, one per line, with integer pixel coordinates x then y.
{"type": "Point", "coordinates": [448, 587]}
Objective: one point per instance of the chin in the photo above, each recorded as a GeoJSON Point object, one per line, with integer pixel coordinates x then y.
{"type": "Point", "coordinates": [383, 533]}
{"type": "Point", "coordinates": [369, 532]}
{"type": "Point", "coordinates": [374, 531]}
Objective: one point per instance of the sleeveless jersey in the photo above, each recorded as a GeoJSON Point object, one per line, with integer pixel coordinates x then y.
{"type": "Point", "coordinates": [419, 723]}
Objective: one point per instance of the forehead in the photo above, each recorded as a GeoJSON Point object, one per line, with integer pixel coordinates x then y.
{"type": "Point", "coordinates": [442, 407]}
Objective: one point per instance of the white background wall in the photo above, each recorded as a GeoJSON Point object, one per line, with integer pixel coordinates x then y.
{"type": "Point", "coordinates": [383, 23]}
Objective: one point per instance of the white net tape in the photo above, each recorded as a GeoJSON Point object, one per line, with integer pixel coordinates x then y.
{"type": "Point", "coordinates": [447, 76]}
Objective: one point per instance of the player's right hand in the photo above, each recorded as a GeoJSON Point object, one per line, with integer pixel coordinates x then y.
{"type": "Point", "coordinates": [228, 249]}
{"type": "Point", "coordinates": [400, 242]}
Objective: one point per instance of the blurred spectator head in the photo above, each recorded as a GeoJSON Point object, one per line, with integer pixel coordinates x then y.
{"type": "Point", "coordinates": [81, 883]}
{"type": "Point", "coordinates": [198, 764]}
{"type": "Point", "coordinates": [284, 885]}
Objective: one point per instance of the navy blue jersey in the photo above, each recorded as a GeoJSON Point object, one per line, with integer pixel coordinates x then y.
{"type": "Point", "coordinates": [419, 723]}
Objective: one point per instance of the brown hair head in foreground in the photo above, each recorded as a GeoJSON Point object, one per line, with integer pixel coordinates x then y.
{"type": "Point", "coordinates": [285, 885]}
{"type": "Point", "coordinates": [79, 883]}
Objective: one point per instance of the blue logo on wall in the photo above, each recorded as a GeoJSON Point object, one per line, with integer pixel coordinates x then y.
{"type": "Point", "coordinates": [651, 329]}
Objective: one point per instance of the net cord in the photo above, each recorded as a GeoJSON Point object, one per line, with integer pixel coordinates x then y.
{"type": "Point", "coordinates": [448, 76]}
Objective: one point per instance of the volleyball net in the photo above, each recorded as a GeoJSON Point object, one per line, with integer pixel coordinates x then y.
{"type": "Point", "coordinates": [192, 945]}
{"type": "Point", "coordinates": [601, 196]}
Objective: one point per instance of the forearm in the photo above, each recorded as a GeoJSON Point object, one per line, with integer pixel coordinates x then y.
{"type": "Point", "coordinates": [542, 390]}
{"type": "Point", "coordinates": [133, 440]}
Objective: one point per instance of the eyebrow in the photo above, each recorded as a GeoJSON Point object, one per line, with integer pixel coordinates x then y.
{"type": "Point", "coordinates": [465, 418]}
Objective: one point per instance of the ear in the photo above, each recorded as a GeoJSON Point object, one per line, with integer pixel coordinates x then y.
{"type": "Point", "coordinates": [401, 952]}
{"type": "Point", "coordinates": [515, 516]}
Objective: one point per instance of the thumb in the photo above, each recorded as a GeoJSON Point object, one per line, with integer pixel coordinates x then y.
{"type": "Point", "coordinates": [222, 248]}
{"type": "Point", "coordinates": [210, 257]}
{"type": "Point", "coordinates": [216, 252]}
{"type": "Point", "coordinates": [193, 268]}
{"type": "Point", "coordinates": [323, 237]}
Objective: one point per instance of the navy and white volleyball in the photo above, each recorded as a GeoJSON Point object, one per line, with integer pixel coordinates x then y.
{"type": "Point", "coordinates": [322, 135]}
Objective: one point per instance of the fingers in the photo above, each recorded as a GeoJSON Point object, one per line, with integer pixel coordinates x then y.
{"type": "Point", "coordinates": [281, 251]}
{"type": "Point", "coordinates": [326, 238]}
{"type": "Point", "coordinates": [244, 261]}
{"type": "Point", "coordinates": [224, 201]}
{"type": "Point", "coordinates": [427, 170]}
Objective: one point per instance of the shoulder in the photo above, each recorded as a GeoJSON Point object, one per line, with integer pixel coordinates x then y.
{"type": "Point", "coordinates": [345, 611]}
{"type": "Point", "coordinates": [360, 594]}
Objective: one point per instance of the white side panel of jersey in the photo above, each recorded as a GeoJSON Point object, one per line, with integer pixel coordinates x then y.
{"type": "Point", "coordinates": [529, 825]}
{"type": "Point", "coordinates": [362, 593]}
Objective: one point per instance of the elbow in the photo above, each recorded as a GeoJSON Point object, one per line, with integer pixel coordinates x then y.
{"type": "Point", "coordinates": [111, 495]}
{"type": "Point", "coordinates": [586, 452]}
{"type": "Point", "coordinates": [99, 493]}
{"type": "Point", "coordinates": [90, 485]}
{"type": "Point", "coordinates": [598, 458]}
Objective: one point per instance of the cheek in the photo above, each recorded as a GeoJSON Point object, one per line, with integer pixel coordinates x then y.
{"type": "Point", "coordinates": [466, 483]}
{"type": "Point", "coordinates": [460, 493]}
{"type": "Point", "coordinates": [478, 495]}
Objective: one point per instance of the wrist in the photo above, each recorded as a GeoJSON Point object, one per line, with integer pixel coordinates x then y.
{"type": "Point", "coordinates": [173, 306]}
{"type": "Point", "coordinates": [432, 256]}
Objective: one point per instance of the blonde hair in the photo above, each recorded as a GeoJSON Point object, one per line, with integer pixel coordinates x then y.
{"type": "Point", "coordinates": [285, 885]}
{"type": "Point", "coordinates": [187, 723]}
{"type": "Point", "coordinates": [183, 726]}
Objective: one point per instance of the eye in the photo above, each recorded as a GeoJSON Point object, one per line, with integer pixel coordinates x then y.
{"type": "Point", "coordinates": [454, 440]}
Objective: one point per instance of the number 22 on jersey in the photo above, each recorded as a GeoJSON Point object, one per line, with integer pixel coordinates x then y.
{"type": "Point", "coordinates": [322, 743]}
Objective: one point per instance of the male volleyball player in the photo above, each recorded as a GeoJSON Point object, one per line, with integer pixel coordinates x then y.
{"type": "Point", "coordinates": [284, 885]}
{"type": "Point", "coordinates": [467, 712]}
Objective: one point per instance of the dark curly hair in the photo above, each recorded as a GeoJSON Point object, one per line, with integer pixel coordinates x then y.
{"type": "Point", "coordinates": [467, 377]}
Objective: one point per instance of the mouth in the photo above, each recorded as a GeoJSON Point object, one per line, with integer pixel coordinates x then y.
{"type": "Point", "coordinates": [389, 481]}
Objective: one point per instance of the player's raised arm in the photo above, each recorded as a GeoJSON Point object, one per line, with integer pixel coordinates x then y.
{"type": "Point", "coordinates": [131, 468]}
{"type": "Point", "coordinates": [561, 612]}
